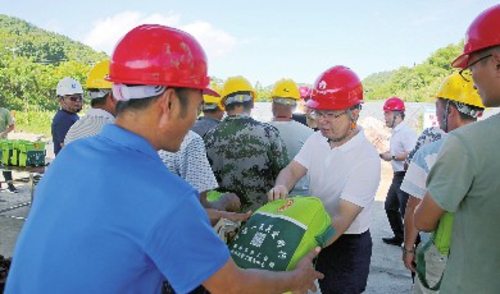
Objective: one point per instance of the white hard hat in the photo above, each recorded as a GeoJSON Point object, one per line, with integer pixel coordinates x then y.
{"type": "Point", "coordinates": [68, 86]}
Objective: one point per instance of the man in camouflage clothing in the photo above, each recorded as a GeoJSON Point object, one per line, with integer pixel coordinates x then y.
{"type": "Point", "coordinates": [246, 155]}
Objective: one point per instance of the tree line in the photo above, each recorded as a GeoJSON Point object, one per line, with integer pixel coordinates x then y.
{"type": "Point", "coordinates": [33, 60]}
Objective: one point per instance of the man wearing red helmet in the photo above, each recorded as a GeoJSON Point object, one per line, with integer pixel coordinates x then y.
{"type": "Point", "coordinates": [343, 169]}
{"type": "Point", "coordinates": [402, 142]}
{"type": "Point", "coordinates": [136, 223]}
{"type": "Point", "coordinates": [464, 179]}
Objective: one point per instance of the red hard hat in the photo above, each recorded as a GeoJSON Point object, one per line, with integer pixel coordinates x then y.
{"type": "Point", "coordinates": [394, 104]}
{"type": "Point", "coordinates": [159, 55]}
{"type": "Point", "coordinates": [337, 88]}
{"type": "Point", "coordinates": [483, 32]}
{"type": "Point", "coordinates": [305, 92]}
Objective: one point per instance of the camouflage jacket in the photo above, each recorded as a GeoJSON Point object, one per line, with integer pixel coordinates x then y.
{"type": "Point", "coordinates": [246, 156]}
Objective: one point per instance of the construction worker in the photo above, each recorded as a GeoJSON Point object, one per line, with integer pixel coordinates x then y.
{"type": "Point", "coordinates": [102, 105]}
{"type": "Point", "coordinates": [464, 178]}
{"type": "Point", "coordinates": [70, 96]}
{"type": "Point", "coordinates": [7, 125]}
{"type": "Point", "coordinates": [402, 142]}
{"type": "Point", "coordinates": [246, 155]}
{"type": "Point", "coordinates": [301, 117]}
{"type": "Point", "coordinates": [343, 169]}
{"type": "Point", "coordinates": [457, 105]}
{"type": "Point", "coordinates": [191, 164]}
{"type": "Point", "coordinates": [213, 111]}
{"type": "Point", "coordinates": [285, 96]}
{"type": "Point", "coordinates": [136, 223]}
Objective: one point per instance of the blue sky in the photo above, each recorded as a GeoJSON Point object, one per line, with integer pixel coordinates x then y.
{"type": "Point", "coordinates": [269, 40]}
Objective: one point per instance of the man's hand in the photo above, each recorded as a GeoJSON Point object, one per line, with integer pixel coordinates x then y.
{"type": "Point", "coordinates": [409, 260]}
{"type": "Point", "coordinates": [278, 192]}
{"type": "Point", "coordinates": [233, 216]}
{"type": "Point", "coordinates": [387, 156]}
{"type": "Point", "coordinates": [231, 202]}
{"type": "Point", "coordinates": [305, 275]}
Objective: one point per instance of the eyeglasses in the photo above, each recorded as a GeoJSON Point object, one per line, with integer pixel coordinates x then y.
{"type": "Point", "coordinates": [327, 115]}
{"type": "Point", "coordinates": [466, 73]}
{"type": "Point", "coordinates": [76, 98]}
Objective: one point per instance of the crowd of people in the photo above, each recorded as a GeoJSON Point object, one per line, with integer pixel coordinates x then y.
{"type": "Point", "coordinates": [129, 202]}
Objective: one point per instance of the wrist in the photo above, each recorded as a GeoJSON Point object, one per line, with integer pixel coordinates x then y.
{"type": "Point", "coordinates": [408, 250]}
{"type": "Point", "coordinates": [393, 157]}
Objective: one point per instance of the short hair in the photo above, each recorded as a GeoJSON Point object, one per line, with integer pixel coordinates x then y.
{"type": "Point", "coordinates": [99, 101]}
{"type": "Point", "coordinates": [247, 105]}
{"type": "Point", "coordinates": [140, 104]}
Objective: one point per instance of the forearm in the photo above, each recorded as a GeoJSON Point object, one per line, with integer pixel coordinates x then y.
{"type": "Point", "coordinates": [259, 281]}
{"type": "Point", "coordinates": [340, 225]}
{"type": "Point", "coordinates": [401, 156]}
{"type": "Point", "coordinates": [410, 231]}
{"type": "Point", "coordinates": [286, 178]}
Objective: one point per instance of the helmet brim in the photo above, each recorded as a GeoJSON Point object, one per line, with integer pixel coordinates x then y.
{"type": "Point", "coordinates": [461, 61]}
{"type": "Point", "coordinates": [208, 91]}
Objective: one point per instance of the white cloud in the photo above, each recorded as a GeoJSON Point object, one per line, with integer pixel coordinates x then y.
{"type": "Point", "coordinates": [105, 33]}
{"type": "Point", "coordinates": [215, 42]}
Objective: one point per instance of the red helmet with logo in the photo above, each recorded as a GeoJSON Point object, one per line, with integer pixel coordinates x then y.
{"type": "Point", "coordinates": [394, 104]}
{"type": "Point", "coordinates": [482, 33]}
{"type": "Point", "coordinates": [159, 55]}
{"type": "Point", "coordinates": [337, 88]}
{"type": "Point", "coordinates": [305, 92]}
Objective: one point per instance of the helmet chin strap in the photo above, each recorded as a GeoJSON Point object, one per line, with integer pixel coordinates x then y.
{"type": "Point", "coordinates": [444, 127]}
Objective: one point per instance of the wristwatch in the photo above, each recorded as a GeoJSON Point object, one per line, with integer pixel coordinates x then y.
{"type": "Point", "coordinates": [393, 157]}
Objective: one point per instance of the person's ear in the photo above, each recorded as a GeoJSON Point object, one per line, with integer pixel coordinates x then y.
{"type": "Point", "coordinates": [496, 60]}
{"type": "Point", "coordinates": [166, 104]}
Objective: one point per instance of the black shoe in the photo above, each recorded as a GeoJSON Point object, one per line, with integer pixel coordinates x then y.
{"type": "Point", "coordinates": [11, 189]}
{"type": "Point", "coordinates": [393, 241]}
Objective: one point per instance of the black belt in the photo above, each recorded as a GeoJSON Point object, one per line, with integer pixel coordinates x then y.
{"type": "Point", "coordinates": [400, 173]}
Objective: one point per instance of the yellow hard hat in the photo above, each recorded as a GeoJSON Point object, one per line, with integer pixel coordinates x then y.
{"type": "Point", "coordinates": [209, 100]}
{"type": "Point", "coordinates": [286, 88]}
{"type": "Point", "coordinates": [456, 88]}
{"type": "Point", "coordinates": [237, 84]}
{"type": "Point", "coordinates": [95, 79]}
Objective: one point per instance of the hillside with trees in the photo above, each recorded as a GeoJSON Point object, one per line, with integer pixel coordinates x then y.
{"type": "Point", "coordinates": [416, 84]}
{"type": "Point", "coordinates": [33, 60]}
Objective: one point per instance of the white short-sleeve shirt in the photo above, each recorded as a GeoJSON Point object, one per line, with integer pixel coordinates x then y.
{"type": "Point", "coordinates": [403, 140]}
{"type": "Point", "coordinates": [350, 172]}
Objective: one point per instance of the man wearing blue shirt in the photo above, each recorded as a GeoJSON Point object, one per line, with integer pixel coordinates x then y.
{"type": "Point", "coordinates": [110, 218]}
{"type": "Point", "coordinates": [70, 96]}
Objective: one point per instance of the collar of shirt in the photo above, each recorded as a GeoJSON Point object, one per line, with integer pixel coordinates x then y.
{"type": "Point", "coordinates": [209, 118]}
{"type": "Point", "coordinates": [238, 116]}
{"type": "Point", "coordinates": [352, 143]}
{"type": "Point", "coordinates": [128, 139]}
{"type": "Point", "coordinates": [100, 112]}
{"type": "Point", "coordinates": [399, 127]}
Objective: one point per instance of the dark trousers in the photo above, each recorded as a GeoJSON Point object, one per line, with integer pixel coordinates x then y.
{"type": "Point", "coordinates": [346, 264]}
{"type": "Point", "coordinates": [395, 205]}
{"type": "Point", "coordinates": [8, 177]}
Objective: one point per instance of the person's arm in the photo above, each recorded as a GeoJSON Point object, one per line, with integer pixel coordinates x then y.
{"type": "Point", "coordinates": [410, 234]}
{"type": "Point", "coordinates": [227, 202]}
{"type": "Point", "coordinates": [287, 178]}
{"type": "Point", "coordinates": [215, 215]}
{"type": "Point", "coordinates": [9, 129]}
{"type": "Point", "coordinates": [387, 156]}
{"type": "Point", "coordinates": [427, 214]}
{"type": "Point", "coordinates": [231, 279]}
{"type": "Point", "coordinates": [346, 214]}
